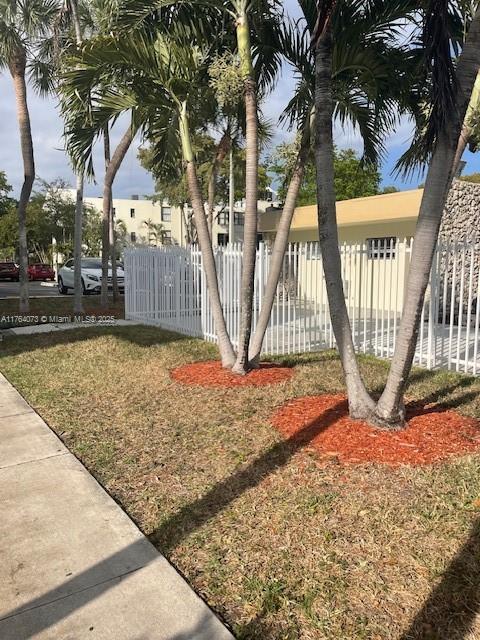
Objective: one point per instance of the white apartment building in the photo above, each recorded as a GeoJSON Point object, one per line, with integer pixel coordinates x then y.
{"type": "Point", "coordinates": [137, 214]}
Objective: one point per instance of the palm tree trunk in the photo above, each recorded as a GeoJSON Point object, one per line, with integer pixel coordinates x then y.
{"type": "Point", "coordinates": [227, 354]}
{"type": "Point", "coordinates": [241, 365]}
{"type": "Point", "coordinates": [17, 70]}
{"type": "Point", "coordinates": [390, 411]}
{"type": "Point", "coordinates": [466, 132]}
{"type": "Point", "coordinates": [78, 231]}
{"type": "Point", "coordinates": [360, 403]}
{"type": "Point", "coordinates": [280, 246]}
{"type": "Point", "coordinates": [77, 248]}
{"type": "Point", "coordinates": [231, 199]}
{"type": "Point", "coordinates": [110, 173]}
{"type": "Point", "coordinates": [111, 221]}
{"type": "Point", "coordinates": [462, 145]}
{"type": "Point", "coordinates": [220, 155]}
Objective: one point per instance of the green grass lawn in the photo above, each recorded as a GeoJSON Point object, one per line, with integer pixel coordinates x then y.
{"type": "Point", "coordinates": [51, 307]}
{"type": "Point", "coordinates": [281, 545]}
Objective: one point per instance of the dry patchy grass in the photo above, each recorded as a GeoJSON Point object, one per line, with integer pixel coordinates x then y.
{"type": "Point", "coordinates": [282, 545]}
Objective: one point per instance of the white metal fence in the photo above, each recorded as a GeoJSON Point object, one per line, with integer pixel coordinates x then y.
{"type": "Point", "coordinates": [166, 287]}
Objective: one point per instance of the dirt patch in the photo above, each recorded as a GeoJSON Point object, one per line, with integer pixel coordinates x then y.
{"type": "Point", "coordinates": [431, 434]}
{"type": "Point", "coordinates": [212, 374]}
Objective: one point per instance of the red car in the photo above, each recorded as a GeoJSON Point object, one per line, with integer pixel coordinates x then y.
{"type": "Point", "coordinates": [41, 272]}
{"type": "Point", "coordinates": [9, 271]}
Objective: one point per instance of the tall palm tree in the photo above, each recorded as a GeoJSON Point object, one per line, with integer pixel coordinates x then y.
{"type": "Point", "coordinates": [165, 79]}
{"type": "Point", "coordinates": [450, 88]}
{"type": "Point", "coordinates": [365, 56]}
{"type": "Point", "coordinates": [446, 116]}
{"type": "Point", "coordinates": [253, 43]}
{"type": "Point", "coordinates": [22, 24]}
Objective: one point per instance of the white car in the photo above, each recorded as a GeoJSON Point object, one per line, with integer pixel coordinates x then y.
{"type": "Point", "coordinates": [91, 276]}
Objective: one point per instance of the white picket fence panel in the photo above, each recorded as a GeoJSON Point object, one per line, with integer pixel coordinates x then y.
{"type": "Point", "coordinates": [166, 287]}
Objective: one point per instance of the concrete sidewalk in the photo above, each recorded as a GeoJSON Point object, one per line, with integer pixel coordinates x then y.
{"type": "Point", "coordinates": [72, 564]}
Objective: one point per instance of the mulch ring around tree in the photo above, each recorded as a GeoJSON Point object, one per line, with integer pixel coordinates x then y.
{"type": "Point", "coordinates": [322, 423]}
{"type": "Point", "coordinates": [212, 374]}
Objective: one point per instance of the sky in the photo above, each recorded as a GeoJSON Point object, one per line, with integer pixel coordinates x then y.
{"type": "Point", "coordinates": [52, 163]}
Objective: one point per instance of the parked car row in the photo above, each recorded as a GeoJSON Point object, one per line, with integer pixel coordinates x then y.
{"type": "Point", "coordinates": [11, 271]}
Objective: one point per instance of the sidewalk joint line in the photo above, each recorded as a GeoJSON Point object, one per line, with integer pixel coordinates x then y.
{"type": "Point", "coordinates": [54, 455]}
{"type": "Point", "coordinates": [73, 593]}
{"type": "Point", "coordinates": [15, 415]}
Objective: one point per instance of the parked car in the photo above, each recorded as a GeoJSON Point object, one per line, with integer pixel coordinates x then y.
{"type": "Point", "coordinates": [41, 272]}
{"type": "Point", "coordinates": [91, 276]}
{"type": "Point", "coordinates": [9, 271]}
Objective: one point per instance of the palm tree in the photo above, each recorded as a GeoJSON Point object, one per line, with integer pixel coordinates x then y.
{"type": "Point", "coordinates": [363, 94]}
{"type": "Point", "coordinates": [155, 232]}
{"type": "Point", "coordinates": [446, 116]}
{"type": "Point", "coordinates": [439, 129]}
{"type": "Point", "coordinates": [22, 24]}
{"type": "Point", "coordinates": [165, 78]}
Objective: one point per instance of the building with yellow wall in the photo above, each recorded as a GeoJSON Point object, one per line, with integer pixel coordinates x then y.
{"type": "Point", "coordinates": [383, 216]}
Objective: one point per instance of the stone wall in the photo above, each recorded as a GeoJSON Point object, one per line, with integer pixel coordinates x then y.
{"type": "Point", "coordinates": [461, 221]}
{"type": "Point", "coordinates": [461, 217]}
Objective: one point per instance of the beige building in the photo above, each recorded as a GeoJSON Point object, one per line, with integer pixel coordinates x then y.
{"type": "Point", "coordinates": [138, 215]}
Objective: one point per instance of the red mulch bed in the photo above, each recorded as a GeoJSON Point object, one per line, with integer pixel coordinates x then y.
{"type": "Point", "coordinates": [322, 423]}
{"type": "Point", "coordinates": [212, 374]}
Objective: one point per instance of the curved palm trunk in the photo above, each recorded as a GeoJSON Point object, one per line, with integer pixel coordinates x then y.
{"type": "Point", "coordinates": [77, 248]}
{"type": "Point", "coordinates": [390, 410]}
{"type": "Point", "coordinates": [17, 71]}
{"type": "Point", "coordinates": [111, 221]}
{"type": "Point", "coordinates": [220, 155]}
{"type": "Point", "coordinates": [110, 173]}
{"type": "Point", "coordinates": [280, 246]}
{"type": "Point", "coordinates": [467, 128]}
{"type": "Point", "coordinates": [231, 199]}
{"type": "Point", "coordinates": [241, 365]}
{"type": "Point", "coordinates": [227, 353]}
{"type": "Point", "coordinates": [462, 145]}
{"type": "Point", "coordinates": [360, 403]}
{"type": "Point", "coordinates": [78, 230]}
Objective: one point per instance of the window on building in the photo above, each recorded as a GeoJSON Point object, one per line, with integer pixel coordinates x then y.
{"type": "Point", "coordinates": [167, 237]}
{"type": "Point", "coordinates": [166, 214]}
{"type": "Point", "coordinates": [132, 212]}
{"type": "Point", "coordinates": [222, 239]}
{"type": "Point", "coordinates": [133, 236]}
{"type": "Point", "coordinates": [239, 218]}
{"type": "Point", "coordinates": [379, 248]}
{"type": "Point", "coordinates": [223, 218]}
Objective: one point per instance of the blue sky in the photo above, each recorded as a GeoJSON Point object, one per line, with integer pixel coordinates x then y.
{"type": "Point", "coordinates": [52, 163]}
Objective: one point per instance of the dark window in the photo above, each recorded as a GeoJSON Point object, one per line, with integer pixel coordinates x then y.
{"type": "Point", "coordinates": [114, 211]}
{"type": "Point", "coordinates": [69, 264]}
{"type": "Point", "coordinates": [239, 218]}
{"type": "Point", "coordinates": [91, 263]}
{"type": "Point", "coordinates": [222, 239]}
{"type": "Point", "coordinates": [379, 248]}
{"type": "Point", "coordinates": [167, 237]}
{"type": "Point", "coordinates": [166, 214]}
{"type": "Point", "coordinates": [132, 213]}
{"type": "Point", "coordinates": [223, 218]}
{"type": "Point", "coordinates": [133, 236]}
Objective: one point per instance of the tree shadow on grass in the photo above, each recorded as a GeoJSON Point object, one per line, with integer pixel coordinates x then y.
{"type": "Point", "coordinates": [140, 335]}
{"type": "Point", "coordinates": [171, 533]}
{"type": "Point", "coordinates": [450, 611]}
